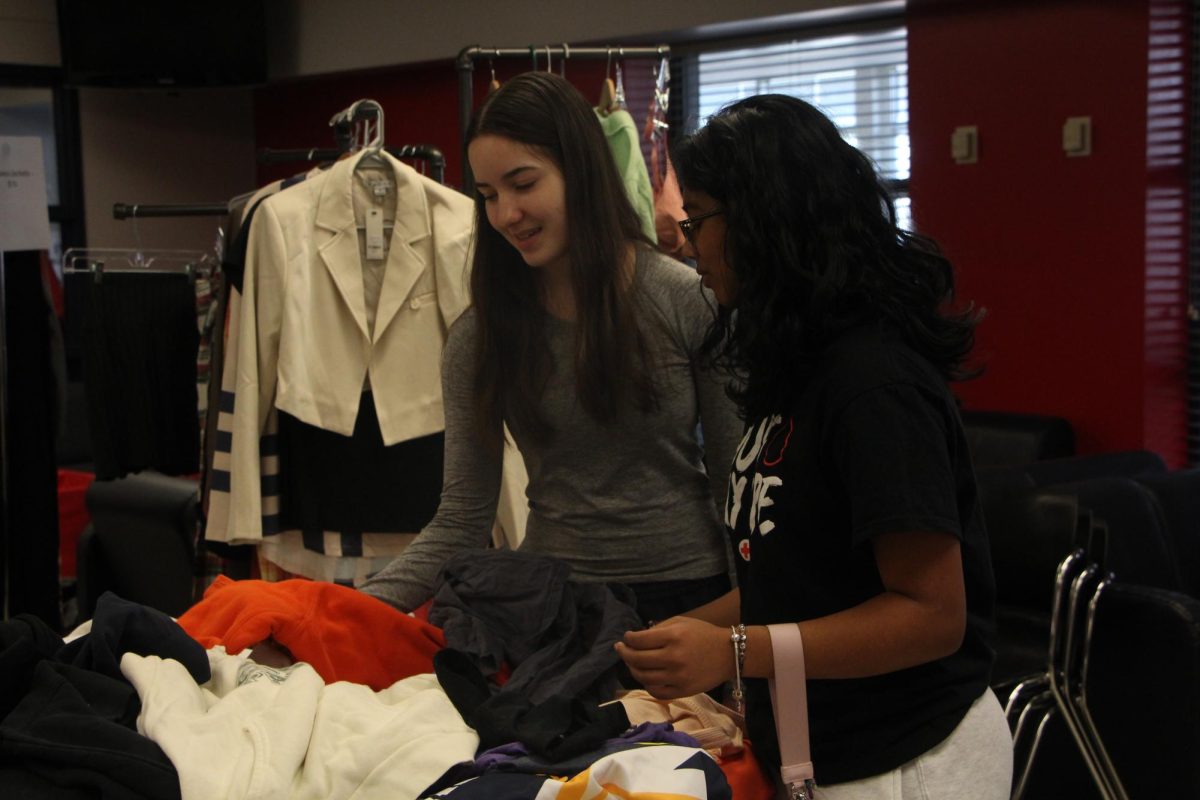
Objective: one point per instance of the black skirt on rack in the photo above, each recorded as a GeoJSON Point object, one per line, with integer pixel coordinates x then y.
{"type": "Point", "coordinates": [140, 344]}
{"type": "Point", "coordinates": [351, 485]}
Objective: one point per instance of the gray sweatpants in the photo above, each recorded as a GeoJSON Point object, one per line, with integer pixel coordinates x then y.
{"type": "Point", "coordinates": [975, 761]}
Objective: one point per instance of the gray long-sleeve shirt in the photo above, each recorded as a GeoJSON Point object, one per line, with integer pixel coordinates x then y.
{"type": "Point", "coordinates": [629, 501]}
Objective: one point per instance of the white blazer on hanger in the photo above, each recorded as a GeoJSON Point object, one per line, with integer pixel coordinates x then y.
{"type": "Point", "coordinates": [306, 346]}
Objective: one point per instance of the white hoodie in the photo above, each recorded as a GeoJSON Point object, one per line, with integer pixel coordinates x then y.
{"type": "Point", "coordinates": [258, 732]}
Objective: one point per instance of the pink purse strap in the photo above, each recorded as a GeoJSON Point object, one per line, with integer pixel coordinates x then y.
{"type": "Point", "coordinates": [789, 698]}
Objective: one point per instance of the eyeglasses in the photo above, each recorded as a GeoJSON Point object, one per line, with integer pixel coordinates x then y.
{"type": "Point", "coordinates": [690, 225]}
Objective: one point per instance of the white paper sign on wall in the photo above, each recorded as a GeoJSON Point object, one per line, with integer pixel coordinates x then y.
{"type": "Point", "coordinates": [24, 214]}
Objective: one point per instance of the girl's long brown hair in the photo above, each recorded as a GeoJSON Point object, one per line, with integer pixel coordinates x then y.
{"type": "Point", "coordinates": [512, 365]}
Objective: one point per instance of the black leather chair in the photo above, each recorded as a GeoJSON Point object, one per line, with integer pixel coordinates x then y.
{"type": "Point", "coordinates": [141, 543]}
{"type": "Point", "coordinates": [1143, 688]}
{"type": "Point", "coordinates": [1151, 537]}
{"type": "Point", "coordinates": [1140, 549]}
{"type": "Point", "coordinates": [1054, 754]}
{"type": "Point", "coordinates": [1176, 495]}
{"type": "Point", "coordinates": [1129, 529]}
{"type": "Point", "coordinates": [1000, 438]}
{"type": "Point", "coordinates": [1121, 464]}
{"type": "Point", "coordinates": [1030, 531]}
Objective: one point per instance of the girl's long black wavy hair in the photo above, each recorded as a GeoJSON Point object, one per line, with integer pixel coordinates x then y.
{"type": "Point", "coordinates": [811, 236]}
{"type": "Point", "coordinates": [545, 112]}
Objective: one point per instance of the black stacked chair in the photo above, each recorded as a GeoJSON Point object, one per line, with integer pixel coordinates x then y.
{"type": "Point", "coordinates": [1001, 438]}
{"type": "Point", "coordinates": [1140, 549]}
{"type": "Point", "coordinates": [1030, 533]}
{"type": "Point", "coordinates": [1142, 687]}
{"type": "Point", "coordinates": [1055, 697]}
{"type": "Point", "coordinates": [1122, 464]}
{"type": "Point", "coordinates": [141, 543]}
{"type": "Point", "coordinates": [1176, 495]}
{"type": "Point", "coordinates": [1091, 720]}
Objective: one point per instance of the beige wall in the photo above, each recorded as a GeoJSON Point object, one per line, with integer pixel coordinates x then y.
{"type": "Point", "coordinates": [311, 37]}
{"type": "Point", "coordinates": [144, 146]}
{"type": "Point", "coordinates": [29, 33]}
{"type": "Point", "coordinates": [152, 147]}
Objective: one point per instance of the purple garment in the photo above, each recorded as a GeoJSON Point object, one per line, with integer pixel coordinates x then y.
{"type": "Point", "coordinates": [516, 757]}
{"type": "Point", "coordinates": [661, 732]}
{"type": "Point", "coordinates": [505, 752]}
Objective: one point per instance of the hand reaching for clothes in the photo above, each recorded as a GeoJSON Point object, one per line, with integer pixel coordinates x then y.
{"type": "Point", "coordinates": [679, 657]}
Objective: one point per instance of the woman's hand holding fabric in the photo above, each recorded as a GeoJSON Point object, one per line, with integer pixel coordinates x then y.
{"type": "Point", "coordinates": [679, 657]}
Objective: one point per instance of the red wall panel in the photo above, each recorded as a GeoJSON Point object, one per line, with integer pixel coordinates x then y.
{"type": "Point", "coordinates": [420, 104]}
{"type": "Point", "coordinates": [1054, 248]}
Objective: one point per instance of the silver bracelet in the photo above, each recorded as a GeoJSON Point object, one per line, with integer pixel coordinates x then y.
{"type": "Point", "coordinates": [737, 636]}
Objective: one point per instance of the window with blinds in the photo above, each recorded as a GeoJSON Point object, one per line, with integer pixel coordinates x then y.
{"type": "Point", "coordinates": [1193, 306]}
{"type": "Point", "coordinates": [860, 80]}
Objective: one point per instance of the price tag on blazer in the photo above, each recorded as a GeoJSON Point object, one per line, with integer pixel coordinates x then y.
{"type": "Point", "coordinates": [381, 187]}
{"type": "Point", "coordinates": [375, 245]}
{"type": "Point", "coordinates": [24, 213]}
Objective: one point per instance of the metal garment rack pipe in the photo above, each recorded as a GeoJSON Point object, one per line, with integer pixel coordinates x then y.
{"type": "Point", "coordinates": [437, 163]}
{"type": "Point", "coordinates": [465, 63]}
{"type": "Point", "coordinates": [129, 211]}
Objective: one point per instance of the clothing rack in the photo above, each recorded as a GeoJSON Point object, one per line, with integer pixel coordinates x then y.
{"type": "Point", "coordinates": [465, 63]}
{"type": "Point", "coordinates": [431, 155]}
{"type": "Point", "coordinates": [139, 210]}
{"type": "Point", "coordinates": [428, 153]}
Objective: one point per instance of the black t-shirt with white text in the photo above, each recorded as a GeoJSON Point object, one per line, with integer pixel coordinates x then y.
{"type": "Point", "coordinates": [874, 445]}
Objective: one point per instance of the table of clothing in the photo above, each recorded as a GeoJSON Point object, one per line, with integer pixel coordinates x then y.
{"type": "Point", "coordinates": [306, 689]}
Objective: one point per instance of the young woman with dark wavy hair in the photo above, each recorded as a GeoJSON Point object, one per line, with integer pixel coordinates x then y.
{"type": "Point", "coordinates": [852, 504]}
{"type": "Point", "coordinates": [586, 343]}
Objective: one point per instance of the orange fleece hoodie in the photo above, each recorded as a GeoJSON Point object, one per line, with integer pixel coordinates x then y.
{"type": "Point", "coordinates": [344, 634]}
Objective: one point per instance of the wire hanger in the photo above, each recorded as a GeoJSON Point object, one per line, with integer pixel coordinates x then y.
{"type": "Point", "coordinates": [662, 85]}
{"type": "Point", "coordinates": [655, 129]}
{"type": "Point", "coordinates": [608, 90]}
{"type": "Point", "coordinates": [100, 260]}
{"type": "Point", "coordinates": [656, 120]}
{"type": "Point", "coordinates": [366, 117]}
{"type": "Point", "coordinates": [619, 94]}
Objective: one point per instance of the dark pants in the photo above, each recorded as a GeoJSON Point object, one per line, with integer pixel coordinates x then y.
{"type": "Point", "coordinates": [659, 600]}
